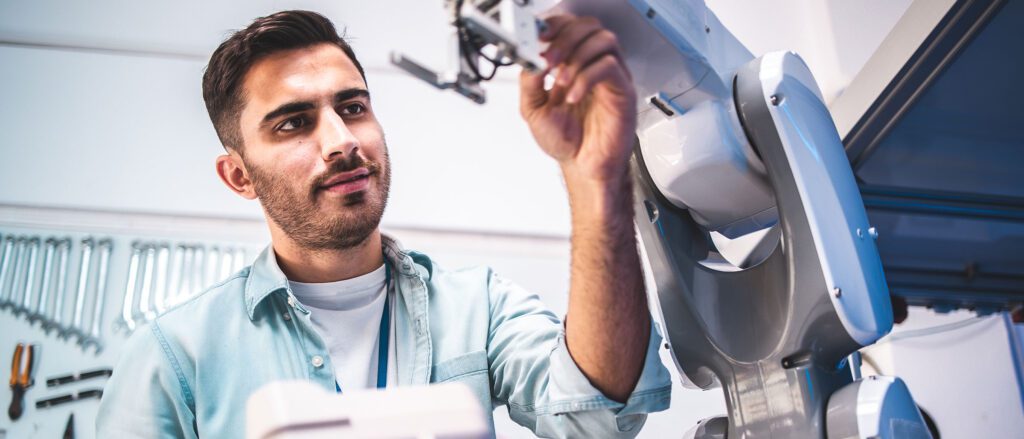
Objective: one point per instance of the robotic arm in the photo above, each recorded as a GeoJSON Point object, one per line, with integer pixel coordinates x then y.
{"type": "Point", "coordinates": [767, 273]}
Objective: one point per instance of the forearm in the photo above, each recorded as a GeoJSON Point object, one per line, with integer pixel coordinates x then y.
{"type": "Point", "coordinates": [608, 324]}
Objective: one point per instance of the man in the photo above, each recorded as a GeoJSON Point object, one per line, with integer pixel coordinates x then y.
{"type": "Point", "coordinates": [334, 301]}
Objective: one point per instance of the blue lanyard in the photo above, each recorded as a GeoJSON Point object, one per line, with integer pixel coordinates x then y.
{"type": "Point", "coordinates": [385, 334]}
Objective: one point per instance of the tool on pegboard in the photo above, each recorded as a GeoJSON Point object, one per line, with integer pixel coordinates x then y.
{"type": "Point", "coordinates": [64, 399]}
{"type": "Point", "coordinates": [162, 275]}
{"type": "Point", "coordinates": [78, 376]}
{"type": "Point", "coordinates": [69, 429]}
{"type": "Point", "coordinates": [39, 280]}
{"type": "Point", "coordinates": [34, 278]}
{"type": "Point", "coordinates": [21, 378]}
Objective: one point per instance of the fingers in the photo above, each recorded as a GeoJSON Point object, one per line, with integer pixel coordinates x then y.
{"type": "Point", "coordinates": [576, 45]}
{"type": "Point", "coordinates": [554, 25]}
{"type": "Point", "coordinates": [607, 69]}
{"type": "Point", "coordinates": [599, 44]}
{"type": "Point", "coordinates": [568, 36]}
{"type": "Point", "coordinates": [531, 91]}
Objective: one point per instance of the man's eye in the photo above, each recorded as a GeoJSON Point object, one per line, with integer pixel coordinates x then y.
{"type": "Point", "coordinates": [292, 124]}
{"type": "Point", "coordinates": [353, 108]}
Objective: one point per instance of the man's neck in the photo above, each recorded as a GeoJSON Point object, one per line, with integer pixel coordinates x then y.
{"type": "Point", "coordinates": [317, 266]}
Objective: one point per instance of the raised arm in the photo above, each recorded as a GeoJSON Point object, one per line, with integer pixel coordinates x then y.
{"type": "Point", "coordinates": [586, 122]}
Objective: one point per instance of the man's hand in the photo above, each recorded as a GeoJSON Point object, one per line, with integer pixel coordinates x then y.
{"type": "Point", "coordinates": [587, 120]}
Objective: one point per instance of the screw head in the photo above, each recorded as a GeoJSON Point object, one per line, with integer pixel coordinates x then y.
{"type": "Point", "coordinates": [873, 232]}
{"type": "Point", "coordinates": [837, 292]}
{"type": "Point", "coordinates": [774, 99]}
{"type": "Point", "coordinates": [860, 233]}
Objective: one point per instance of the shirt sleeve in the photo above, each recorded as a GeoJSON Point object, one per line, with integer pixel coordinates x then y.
{"type": "Point", "coordinates": [146, 396]}
{"type": "Point", "coordinates": [533, 373]}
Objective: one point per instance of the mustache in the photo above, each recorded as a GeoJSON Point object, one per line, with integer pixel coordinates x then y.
{"type": "Point", "coordinates": [343, 165]}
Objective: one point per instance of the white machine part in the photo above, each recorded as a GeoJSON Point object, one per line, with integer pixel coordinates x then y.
{"type": "Point", "coordinates": [692, 140]}
{"type": "Point", "coordinates": [683, 62]}
{"type": "Point", "coordinates": [741, 154]}
{"type": "Point", "coordinates": [839, 225]}
{"type": "Point", "coordinates": [303, 410]}
{"type": "Point", "coordinates": [874, 407]}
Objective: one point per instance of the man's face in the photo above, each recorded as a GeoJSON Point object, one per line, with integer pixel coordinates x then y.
{"type": "Point", "coordinates": [313, 147]}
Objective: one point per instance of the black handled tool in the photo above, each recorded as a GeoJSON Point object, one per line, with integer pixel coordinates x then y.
{"type": "Point", "coordinates": [21, 378]}
{"type": "Point", "coordinates": [56, 381]}
{"type": "Point", "coordinates": [63, 399]}
{"type": "Point", "coordinates": [69, 430]}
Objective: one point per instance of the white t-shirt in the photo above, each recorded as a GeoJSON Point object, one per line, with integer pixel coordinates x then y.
{"type": "Point", "coordinates": [347, 314]}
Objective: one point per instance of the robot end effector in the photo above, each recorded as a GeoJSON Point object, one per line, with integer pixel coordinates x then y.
{"type": "Point", "coordinates": [485, 36]}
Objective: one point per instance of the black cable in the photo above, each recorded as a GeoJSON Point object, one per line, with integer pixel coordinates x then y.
{"type": "Point", "coordinates": [463, 46]}
{"type": "Point", "coordinates": [469, 47]}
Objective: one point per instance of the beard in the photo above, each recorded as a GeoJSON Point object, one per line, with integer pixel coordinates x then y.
{"type": "Point", "coordinates": [314, 222]}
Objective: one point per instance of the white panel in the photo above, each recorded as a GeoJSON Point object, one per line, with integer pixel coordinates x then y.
{"type": "Point", "coordinates": [196, 27]}
{"type": "Point", "coordinates": [109, 132]}
{"type": "Point", "coordinates": [130, 133]}
{"type": "Point", "coordinates": [458, 165]}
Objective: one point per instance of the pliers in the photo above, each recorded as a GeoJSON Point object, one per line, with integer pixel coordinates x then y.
{"type": "Point", "coordinates": [21, 378]}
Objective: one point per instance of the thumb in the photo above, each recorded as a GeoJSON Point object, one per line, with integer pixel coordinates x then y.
{"type": "Point", "coordinates": [531, 91]}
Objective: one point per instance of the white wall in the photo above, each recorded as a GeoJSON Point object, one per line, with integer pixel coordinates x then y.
{"type": "Point", "coordinates": [109, 97]}
{"type": "Point", "coordinates": [835, 37]}
{"type": "Point", "coordinates": [964, 377]}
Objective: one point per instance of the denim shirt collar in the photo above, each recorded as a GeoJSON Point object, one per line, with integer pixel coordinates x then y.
{"type": "Point", "coordinates": [266, 277]}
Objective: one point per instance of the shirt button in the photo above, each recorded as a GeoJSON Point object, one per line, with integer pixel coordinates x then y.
{"type": "Point", "coordinates": [318, 361]}
{"type": "Point", "coordinates": [287, 317]}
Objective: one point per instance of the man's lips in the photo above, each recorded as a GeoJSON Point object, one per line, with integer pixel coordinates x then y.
{"type": "Point", "coordinates": [347, 182]}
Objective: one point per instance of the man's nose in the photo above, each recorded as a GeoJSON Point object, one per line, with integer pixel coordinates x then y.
{"type": "Point", "coordinates": [335, 137]}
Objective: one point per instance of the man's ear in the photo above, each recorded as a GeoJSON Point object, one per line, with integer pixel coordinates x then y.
{"type": "Point", "coordinates": [235, 176]}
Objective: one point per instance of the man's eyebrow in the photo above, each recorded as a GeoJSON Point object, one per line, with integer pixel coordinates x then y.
{"type": "Point", "coordinates": [350, 93]}
{"type": "Point", "coordinates": [300, 106]}
{"type": "Point", "coordinates": [289, 108]}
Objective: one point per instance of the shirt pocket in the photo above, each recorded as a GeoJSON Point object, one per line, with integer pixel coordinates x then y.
{"type": "Point", "coordinates": [469, 369]}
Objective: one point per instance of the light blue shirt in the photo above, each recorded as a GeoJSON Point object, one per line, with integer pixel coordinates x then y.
{"type": "Point", "coordinates": [190, 372]}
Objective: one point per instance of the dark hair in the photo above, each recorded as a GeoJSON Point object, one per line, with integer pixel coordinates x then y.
{"type": "Point", "coordinates": [235, 56]}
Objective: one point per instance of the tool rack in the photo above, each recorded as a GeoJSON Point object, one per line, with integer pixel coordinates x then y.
{"type": "Point", "coordinates": [78, 292]}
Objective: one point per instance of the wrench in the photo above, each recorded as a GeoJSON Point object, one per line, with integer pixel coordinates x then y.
{"type": "Point", "coordinates": [84, 270]}
{"type": "Point", "coordinates": [30, 278]}
{"type": "Point", "coordinates": [127, 321]}
{"type": "Point", "coordinates": [240, 259]}
{"type": "Point", "coordinates": [29, 281]}
{"type": "Point", "coordinates": [184, 280]}
{"type": "Point", "coordinates": [174, 276]}
{"type": "Point", "coordinates": [6, 268]}
{"type": "Point", "coordinates": [145, 311]}
{"type": "Point", "coordinates": [227, 262]}
{"type": "Point", "coordinates": [160, 283]}
{"type": "Point", "coordinates": [56, 320]}
{"type": "Point", "coordinates": [45, 284]}
{"type": "Point", "coordinates": [212, 264]}
{"type": "Point", "coordinates": [198, 272]}
{"type": "Point", "coordinates": [18, 273]}
{"type": "Point", "coordinates": [106, 247]}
